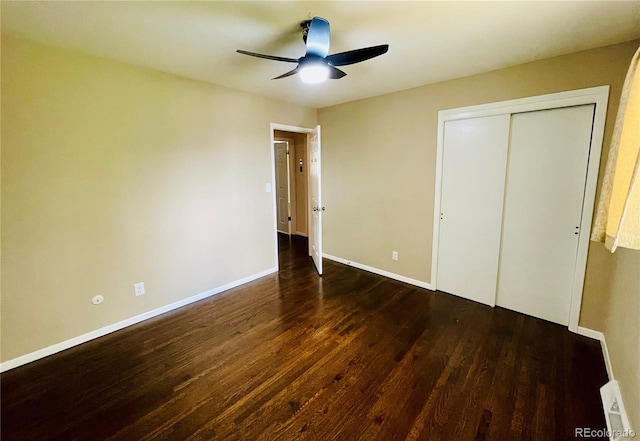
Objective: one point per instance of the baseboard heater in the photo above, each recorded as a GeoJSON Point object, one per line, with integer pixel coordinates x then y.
{"type": "Point", "coordinates": [618, 427]}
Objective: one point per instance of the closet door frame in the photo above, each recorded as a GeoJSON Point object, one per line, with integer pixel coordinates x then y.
{"type": "Point", "coordinates": [594, 95]}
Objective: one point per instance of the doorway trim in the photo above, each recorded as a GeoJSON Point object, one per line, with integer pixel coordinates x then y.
{"type": "Point", "coordinates": [594, 95]}
{"type": "Point", "coordinates": [286, 128]}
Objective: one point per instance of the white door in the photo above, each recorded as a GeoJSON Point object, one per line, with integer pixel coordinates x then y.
{"type": "Point", "coordinates": [548, 158]}
{"type": "Point", "coordinates": [315, 199]}
{"type": "Point", "coordinates": [282, 186]}
{"type": "Point", "coordinates": [472, 195]}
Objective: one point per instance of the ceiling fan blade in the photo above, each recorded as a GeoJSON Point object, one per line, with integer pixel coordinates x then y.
{"type": "Point", "coordinates": [288, 74]}
{"type": "Point", "coordinates": [335, 73]}
{"type": "Point", "coordinates": [268, 57]}
{"type": "Point", "coordinates": [318, 37]}
{"type": "Point", "coordinates": [357, 55]}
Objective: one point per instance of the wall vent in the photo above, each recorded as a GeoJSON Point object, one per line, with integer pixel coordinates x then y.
{"type": "Point", "coordinates": [618, 426]}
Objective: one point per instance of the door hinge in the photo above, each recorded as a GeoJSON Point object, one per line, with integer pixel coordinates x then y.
{"type": "Point", "coordinates": [289, 217]}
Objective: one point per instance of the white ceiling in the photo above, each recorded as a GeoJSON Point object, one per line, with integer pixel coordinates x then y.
{"type": "Point", "coordinates": [429, 41]}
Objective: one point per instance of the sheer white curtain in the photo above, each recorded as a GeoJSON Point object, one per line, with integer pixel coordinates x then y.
{"type": "Point", "coordinates": [617, 221]}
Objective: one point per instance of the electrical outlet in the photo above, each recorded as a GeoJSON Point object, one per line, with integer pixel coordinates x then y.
{"type": "Point", "coordinates": [97, 300]}
{"type": "Point", "coordinates": [138, 288]}
{"type": "Point", "coordinates": [394, 255]}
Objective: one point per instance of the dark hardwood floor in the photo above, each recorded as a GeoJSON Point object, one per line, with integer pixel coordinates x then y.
{"type": "Point", "coordinates": [349, 356]}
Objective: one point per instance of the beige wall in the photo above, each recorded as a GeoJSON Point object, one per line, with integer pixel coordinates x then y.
{"type": "Point", "coordinates": [378, 182]}
{"type": "Point", "coordinates": [113, 175]}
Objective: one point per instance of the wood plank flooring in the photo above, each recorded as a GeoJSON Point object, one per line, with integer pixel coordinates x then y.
{"type": "Point", "coordinates": [291, 356]}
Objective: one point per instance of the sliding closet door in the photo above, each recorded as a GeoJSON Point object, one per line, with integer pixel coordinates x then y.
{"type": "Point", "coordinates": [548, 156]}
{"type": "Point", "coordinates": [472, 192]}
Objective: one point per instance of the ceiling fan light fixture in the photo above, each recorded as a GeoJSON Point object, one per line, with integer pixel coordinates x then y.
{"type": "Point", "coordinates": [316, 65]}
{"type": "Point", "coordinates": [314, 73]}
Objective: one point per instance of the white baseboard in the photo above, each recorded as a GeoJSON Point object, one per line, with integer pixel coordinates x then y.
{"type": "Point", "coordinates": [59, 347]}
{"type": "Point", "coordinates": [380, 272]}
{"type": "Point", "coordinates": [597, 335]}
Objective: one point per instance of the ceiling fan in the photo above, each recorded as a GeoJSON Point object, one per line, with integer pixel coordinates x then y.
{"type": "Point", "coordinates": [317, 65]}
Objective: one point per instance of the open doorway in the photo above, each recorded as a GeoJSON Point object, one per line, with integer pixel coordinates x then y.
{"type": "Point", "coordinates": [299, 158]}
{"type": "Point", "coordinates": [291, 182]}
{"type": "Point", "coordinates": [290, 149]}
{"type": "Point", "coordinates": [292, 179]}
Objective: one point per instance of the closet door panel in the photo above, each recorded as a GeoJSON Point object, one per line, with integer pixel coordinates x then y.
{"type": "Point", "coordinates": [472, 193]}
{"type": "Point", "coordinates": [548, 156]}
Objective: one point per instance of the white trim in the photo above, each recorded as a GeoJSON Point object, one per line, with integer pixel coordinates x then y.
{"type": "Point", "coordinates": [273, 127]}
{"type": "Point", "coordinates": [594, 95]}
{"type": "Point", "coordinates": [286, 128]}
{"type": "Point", "coordinates": [578, 97]}
{"type": "Point", "coordinates": [380, 272]}
{"type": "Point", "coordinates": [437, 200]}
{"type": "Point", "coordinates": [59, 347]}
{"type": "Point", "coordinates": [597, 335]}
{"type": "Point", "coordinates": [588, 203]}
{"type": "Point", "coordinates": [274, 201]}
